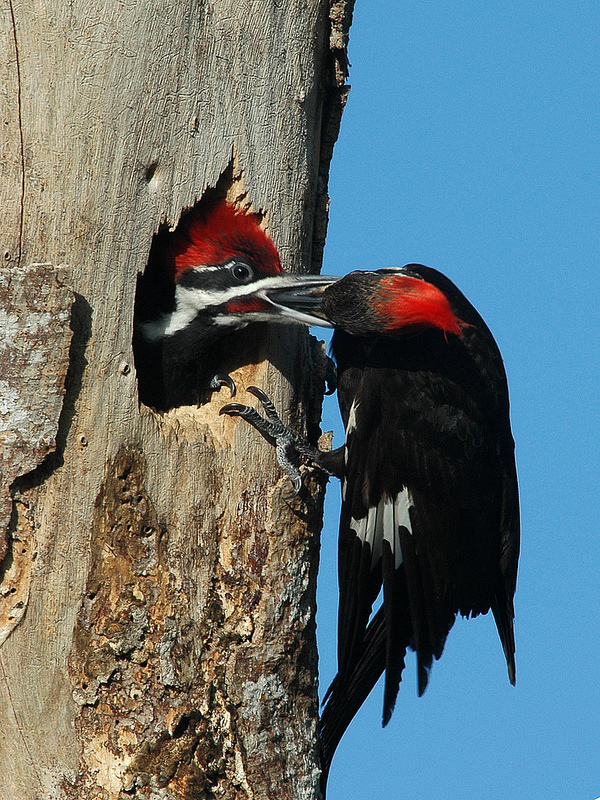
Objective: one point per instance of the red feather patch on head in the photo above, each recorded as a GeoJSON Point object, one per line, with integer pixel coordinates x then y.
{"type": "Point", "coordinates": [213, 234]}
{"type": "Point", "coordinates": [403, 301]}
{"type": "Point", "coordinates": [246, 305]}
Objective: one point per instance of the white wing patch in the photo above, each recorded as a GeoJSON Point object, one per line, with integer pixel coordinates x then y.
{"type": "Point", "coordinates": [382, 523]}
{"type": "Point", "coordinates": [352, 418]}
{"type": "Point", "coordinates": [349, 428]}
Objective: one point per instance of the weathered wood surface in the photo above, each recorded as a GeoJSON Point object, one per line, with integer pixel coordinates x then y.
{"type": "Point", "coordinates": [166, 647]}
{"type": "Point", "coordinates": [35, 309]}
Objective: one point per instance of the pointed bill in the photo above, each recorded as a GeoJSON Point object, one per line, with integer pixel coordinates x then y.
{"type": "Point", "coordinates": [299, 297]}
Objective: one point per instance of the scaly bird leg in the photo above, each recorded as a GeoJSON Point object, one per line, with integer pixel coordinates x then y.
{"type": "Point", "coordinates": [287, 443]}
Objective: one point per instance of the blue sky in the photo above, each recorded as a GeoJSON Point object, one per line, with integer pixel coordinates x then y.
{"type": "Point", "coordinates": [471, 143]}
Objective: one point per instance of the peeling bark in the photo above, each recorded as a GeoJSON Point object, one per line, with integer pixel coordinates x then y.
{"type": "Point", "coordinates": [35, 309]}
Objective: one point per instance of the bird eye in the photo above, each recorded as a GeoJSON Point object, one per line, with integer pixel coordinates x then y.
{"type": "Point", "coordinates": [241, 272]}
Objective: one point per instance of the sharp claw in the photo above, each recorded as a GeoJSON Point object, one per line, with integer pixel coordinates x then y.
{"type": "Point", "coordinates": [234, 409]}
{"type": "Point", "coordinates": [267, 404]}
{"type": "Point", "coordinates": [218, 381]}
{"type": "Point", "coordinates": [297, 484]}
{"type": "Point", "coordinates": [262, 396]}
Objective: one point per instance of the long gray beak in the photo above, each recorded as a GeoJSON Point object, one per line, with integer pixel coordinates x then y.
{"type": "Point", "coordinates": [299, 297]}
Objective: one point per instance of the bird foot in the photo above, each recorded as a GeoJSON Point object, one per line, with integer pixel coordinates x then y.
{"type": "Point", "coordinates": [287, 443]}
{"type": "Point", "coordinates": [218, 381]}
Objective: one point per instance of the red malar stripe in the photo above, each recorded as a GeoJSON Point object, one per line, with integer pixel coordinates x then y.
{"type": "Point", "coordinates": [242, 306]}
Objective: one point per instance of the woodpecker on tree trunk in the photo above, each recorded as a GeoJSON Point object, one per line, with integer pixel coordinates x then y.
{"type": "Point", "coordinates": [216, 273]}
{"type": "Point", "coordinates": [430, 510]}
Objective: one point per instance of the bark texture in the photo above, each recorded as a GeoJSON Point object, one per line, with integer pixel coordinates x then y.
{"type": "Point", "coordinates": [157, 591]}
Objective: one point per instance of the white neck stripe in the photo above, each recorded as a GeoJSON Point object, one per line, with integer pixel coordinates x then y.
{"type": "Point", "coordinates": [190, 301]}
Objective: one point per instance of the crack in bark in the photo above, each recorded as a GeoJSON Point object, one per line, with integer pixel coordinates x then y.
{"type": "Point", "coordinates": [20, 115]}
{"type": "Point", "coordinates": [30, 759]}
{"type": "Point", "coordinates": [335, 93]}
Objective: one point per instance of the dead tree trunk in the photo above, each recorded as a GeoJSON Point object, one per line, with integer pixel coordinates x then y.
{"type": "Point", "coordinates": [157, 592]}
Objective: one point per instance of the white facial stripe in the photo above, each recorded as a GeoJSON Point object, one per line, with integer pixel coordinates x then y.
{"type": "Point", "coordinates": [201, 270]}
{"type": "Point", "coordinates": [188, 304]}
{"type": "Point", "coordinates": [190, 301]}
{"type": "Point", "coordinates": [382, 523]}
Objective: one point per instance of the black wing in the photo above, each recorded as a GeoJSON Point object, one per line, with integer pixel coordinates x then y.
{"type": "Point", "coordinates": [429, 509]}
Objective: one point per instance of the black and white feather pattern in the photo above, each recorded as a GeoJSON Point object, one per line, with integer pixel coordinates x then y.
{"type": "Point", "coordinates": [430, 503]}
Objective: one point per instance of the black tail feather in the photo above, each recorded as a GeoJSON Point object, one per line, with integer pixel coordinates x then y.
{"type": "Point", "coordinates": [398, 628]}
{"type": "Point", "coordinates": [503, 611]}
{"type": "Point", "coordinates": [344, 699]}
{"type": "Point", "coordinates": [383, 648]}
{"type": "Point", "coordinates": [357, 595]}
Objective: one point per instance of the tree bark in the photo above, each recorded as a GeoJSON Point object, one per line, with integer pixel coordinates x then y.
{"type": "Point", "coordinates": [157, 595]}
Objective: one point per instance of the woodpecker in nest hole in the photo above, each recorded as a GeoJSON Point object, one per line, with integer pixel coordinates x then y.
{"type": "Point", "coordinates": [215, 274]}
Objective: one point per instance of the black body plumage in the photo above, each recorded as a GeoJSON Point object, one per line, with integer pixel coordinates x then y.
{"type": "Point", "coordinates": [429, 452]}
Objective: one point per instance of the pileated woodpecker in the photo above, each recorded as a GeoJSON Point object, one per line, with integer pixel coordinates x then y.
{"type": "Point", "coordinates": [217, 272]}
{"type": "Point", "coordinates": [430, 508]}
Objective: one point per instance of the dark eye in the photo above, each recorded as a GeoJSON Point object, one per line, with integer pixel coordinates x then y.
{"type": "Point", "coordinates": [242, 272]}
